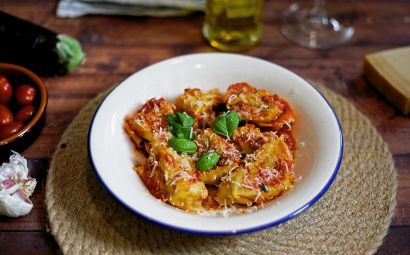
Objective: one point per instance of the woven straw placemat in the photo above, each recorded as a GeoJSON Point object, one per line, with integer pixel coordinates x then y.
{"type": "Point", "coordinates": [351, 218]}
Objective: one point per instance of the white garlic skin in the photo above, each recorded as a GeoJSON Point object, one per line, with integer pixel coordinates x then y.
{"type": "Point", "coordinates": [15, 187]}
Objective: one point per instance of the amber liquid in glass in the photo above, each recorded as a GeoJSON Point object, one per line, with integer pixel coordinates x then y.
{"type": "Point", "coordinates": [233, 25]}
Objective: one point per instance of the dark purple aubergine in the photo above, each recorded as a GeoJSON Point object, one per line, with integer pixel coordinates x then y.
{"type": "Point", "coordinates": [37, 48]}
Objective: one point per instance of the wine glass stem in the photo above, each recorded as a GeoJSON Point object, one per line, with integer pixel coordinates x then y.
{"type": "Point", "coordinates": [319, 8]}
{"type": "Point", "coordinates": [317, 16]}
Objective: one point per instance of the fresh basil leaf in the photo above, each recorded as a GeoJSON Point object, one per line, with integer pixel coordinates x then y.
{"type": "Point", "coordinates": [181, 132]}
{"type": "Point", "coordinates": [232, 121]}
{"type": "Point", "coordinates": [184, 119]}
{"type": "Point", "coordinates": [182, 145]}
{"type": "Point", "coordinates": [171, 119]}
{"type": "Point", "coordinates": [225, 124]}
{"type": "Point", "coordinates": [219, 127]}
{"type": "Point", "coordinates": [207, 161]}
{"type": "Point", "coordinates": [180, 125]}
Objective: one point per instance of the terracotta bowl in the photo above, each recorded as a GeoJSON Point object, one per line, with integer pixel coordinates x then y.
{"type": "Point", "coordinates": [16, 76]}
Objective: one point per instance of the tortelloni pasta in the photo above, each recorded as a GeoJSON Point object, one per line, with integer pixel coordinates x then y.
{"type": "Point", "coordinates": [210, 152]}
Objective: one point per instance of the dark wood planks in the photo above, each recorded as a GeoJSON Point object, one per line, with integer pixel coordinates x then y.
{"type": "Point", "coordinates": [118, 46]}
{"type": "Point", "coordinates": [28, 242]}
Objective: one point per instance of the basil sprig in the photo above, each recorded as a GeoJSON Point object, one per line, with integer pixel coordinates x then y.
{"type": "Point", "coordinates": [182, 145]}
{"type": "Point", "coordinates": [207, 161]}
{"type": "Point", "coordinates": [225, 124]}
{"type": "Point", "coordinates": [180, 125]}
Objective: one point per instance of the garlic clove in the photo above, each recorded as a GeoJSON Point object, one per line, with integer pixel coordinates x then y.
{"type": "Point", "coordinates": [14, 205]}
{"type": "Point", "coordinates": [15, 187]}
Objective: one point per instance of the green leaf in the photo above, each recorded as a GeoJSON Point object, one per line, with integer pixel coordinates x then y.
{"type": "Point", "coordinates": [182, 145]}
{"type": "Point", "coordinates": [232, 121]}
{"type": "Point", "coordinates": [220, 127]}
{"type": "Point", "coordinates": [180, 125]}
{"type": "Point", "coordinates": [225, 124]}
{"type": "Point", "coordinates": [181, 132]}
{"type": "Point", "coordinates": [185, 119]}
{"type": "Point", "coordinates": [172, 119]}
{"type": "Point", "coordinates": [207, 161]}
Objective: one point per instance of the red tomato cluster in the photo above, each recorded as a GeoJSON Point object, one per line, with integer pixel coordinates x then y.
{"type": "Point", "coordinates": [23, 98]}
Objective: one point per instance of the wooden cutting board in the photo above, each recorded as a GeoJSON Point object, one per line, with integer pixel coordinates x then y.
{"type": "Point", "coordinates": [389, 72]}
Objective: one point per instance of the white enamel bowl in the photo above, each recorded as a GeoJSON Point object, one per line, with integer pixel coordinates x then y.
{"type": "Point", "coordinates": [317, 132]}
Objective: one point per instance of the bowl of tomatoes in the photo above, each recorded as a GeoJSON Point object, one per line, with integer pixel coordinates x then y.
{"type": "Point", "coordinates": [23, 100]}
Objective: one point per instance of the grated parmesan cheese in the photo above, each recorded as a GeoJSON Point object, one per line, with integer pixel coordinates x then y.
{"type": "Point", "coordinates": [232, 97]}
{"type": "Point", "coordinates": [176, 167]}
{"type": "Point", "coordinates": [243, 185]}
{"type": "Point", "coordinates": [287, 124]}
{"type": "Point", "coordinates": [258, 196]}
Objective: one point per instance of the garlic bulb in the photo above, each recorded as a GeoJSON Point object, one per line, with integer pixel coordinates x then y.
{"type": "Point", "coordinates": [15, 187]}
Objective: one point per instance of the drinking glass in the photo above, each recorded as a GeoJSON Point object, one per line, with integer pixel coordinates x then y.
{"type": "Point", "coordinates": [314, 27]}
{"type": "Point", "coordinates": [233, 25]}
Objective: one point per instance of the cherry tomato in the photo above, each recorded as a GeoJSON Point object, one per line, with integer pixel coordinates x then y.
{"type": "Point", "coordinates": [6, 116]}
{"type": "Point", "coordinates": [25, 94]}
{"type": "Point", "coordinates": [11, 128]}
{"type": "Point", "coordinates": [24, 113]}
{"type": "Point", "coordinates": [5, 90]}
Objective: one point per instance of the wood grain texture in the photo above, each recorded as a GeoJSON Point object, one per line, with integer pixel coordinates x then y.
{"type": "Point", "coordinates": [118, 46]}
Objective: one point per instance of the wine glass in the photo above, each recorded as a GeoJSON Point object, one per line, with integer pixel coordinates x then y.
{"type": "Point", "coordinates": [314, 28]}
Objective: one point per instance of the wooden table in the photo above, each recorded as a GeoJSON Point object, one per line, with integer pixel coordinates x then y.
{"type": "Point", "coordinates": [118, 46]}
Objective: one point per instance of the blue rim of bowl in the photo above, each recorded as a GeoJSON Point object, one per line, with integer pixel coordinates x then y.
{"type": "Point", "coordinates": [227, 232]}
